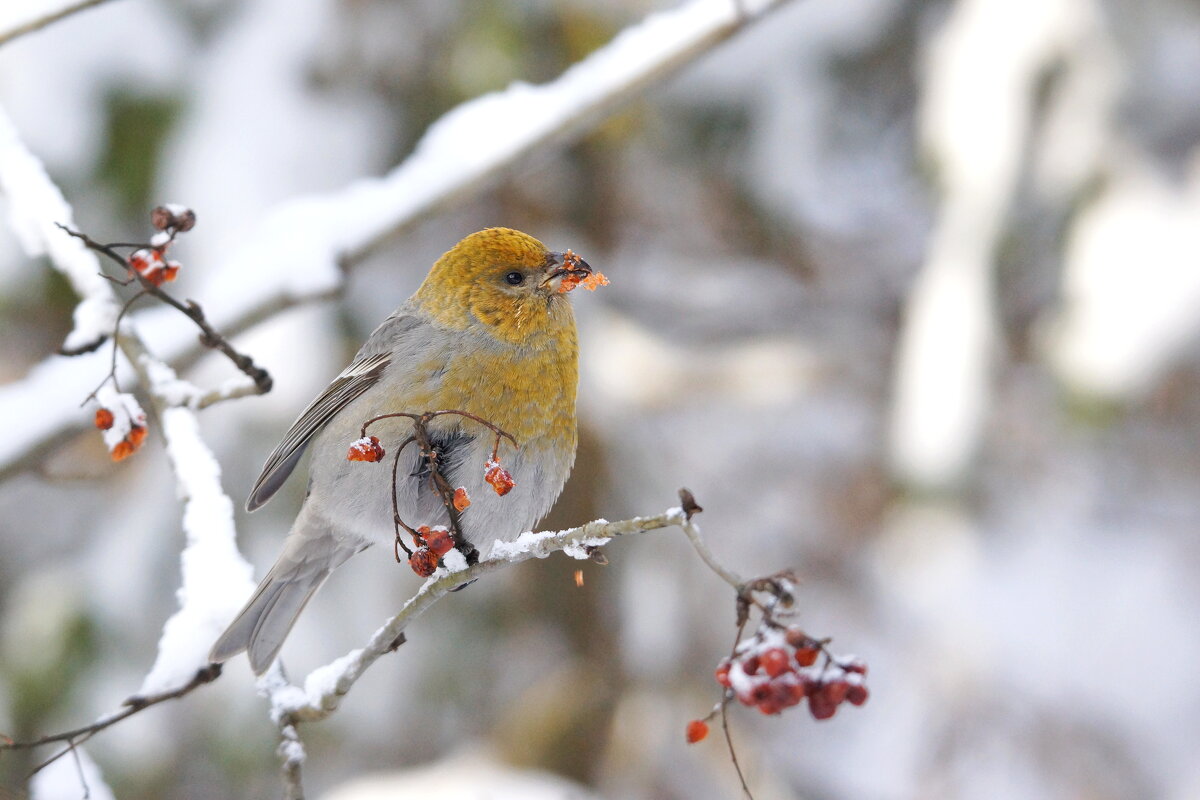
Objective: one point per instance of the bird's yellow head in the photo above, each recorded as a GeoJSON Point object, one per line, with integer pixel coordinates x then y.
{"type": "Point", "coordinates": [504, 281]}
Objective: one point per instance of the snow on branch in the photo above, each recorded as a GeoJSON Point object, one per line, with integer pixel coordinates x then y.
{"type": "Point", "coordinates": [36, 207]}
{"type": "Point", "coordinates": [325, 686]}
{"type": "Point", "coordinates": [296, 253]}
{"type": "Point", "coordinates": [215, 575]}
{"type": "Point", "coordinates": [19, 18]}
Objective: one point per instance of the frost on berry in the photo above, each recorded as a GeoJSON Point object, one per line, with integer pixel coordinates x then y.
{"type": "Point", "coordinates": [775, 669]}
{"type": "Point", "coordinates": [696, 731]}
{"type": "Point", "coordinates": [423, 561]}
{"type": "Point", "coordinates": [365, 449]}
{"type": "Point", "coordinates": [121, 421]}
{"type": "Point", "coordinates": [461, 499]}
{"type": "Point", "coordinates": [499, 478]}
{"type": "Point", "coordinates": [438, 540]}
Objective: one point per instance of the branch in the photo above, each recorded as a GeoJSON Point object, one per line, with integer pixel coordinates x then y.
{"type": "Point", "coordinates": [30, 20]}
{"type": "Point", "coordinates": [325, 234]}
{"type": "Point", "coordinates": [132, 706]}
{"type": "Point", "coordinates": [325, 686]}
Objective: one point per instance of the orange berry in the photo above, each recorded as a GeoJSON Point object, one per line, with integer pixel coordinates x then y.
{"type": "Point", "coordinates": [423, 561]}
{"type": "Point", "coordinates": [104, 419]}
{"type": "Point", "coordinates": [137, 435]}
{"type": "Point", "coordinates": [461, 499]}
{"type": "Point", "coordinates": [123, 450]}
{"type": "Point", "coordinates": [696, 730]}
{"type": "Point", "coordinates": [723, 673]}
{"type": "Point", "coordinates": [499, 478]}
{"type": "Point", "coordinates": [365, 449]}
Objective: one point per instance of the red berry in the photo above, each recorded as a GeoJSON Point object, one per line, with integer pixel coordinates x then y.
{"type": "Point", "coordinates": [807, 656]}
{"type": "Point", "coordinates": [365, 449]}
{"type": "Point", "coordinates": [820, 705]}
{"type": "Point", "coordinates": [500, 478]}
{"type": "Point", "coordinates": [696, 730]}
{"type": "Point", "coordinates": [775, 662]}
{"type": "Point", "coordinates": [439, 541]}
{"type": "Point", "coordinates": [836, 690]}
{"type": "Point", "coordinates": [857, 694]}
{"type": "Point", "coordinates": [750, 665]}
{"type": "Point", "coordinates": [423, 561]}
{"type": "Point", "coordinates": [104, 419]}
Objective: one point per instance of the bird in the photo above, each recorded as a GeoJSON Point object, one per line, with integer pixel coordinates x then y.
{"type": "Point", "coordinates": [491, 333]}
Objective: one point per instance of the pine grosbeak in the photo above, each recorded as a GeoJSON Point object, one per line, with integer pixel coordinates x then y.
{"type": "Point", "coordinates": [489, 332]}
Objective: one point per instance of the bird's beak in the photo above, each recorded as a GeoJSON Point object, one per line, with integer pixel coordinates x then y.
{"type": "Point", "coordinates": [559, 265]}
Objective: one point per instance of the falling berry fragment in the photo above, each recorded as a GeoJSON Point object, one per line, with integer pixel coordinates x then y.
{"type": "Point", "coordinates": [461, 499]}
{"type": "Point", "coordinates": [696, 731]}
{"type": "Point", "coordinates": [423, 561]}
{"type": "Point", "coordinates": [365, 449]}
{"type": "Point", "coordinates": [498, 477]}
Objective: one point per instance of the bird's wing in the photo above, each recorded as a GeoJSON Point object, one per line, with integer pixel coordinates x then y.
{"type": "Point", "coordinates": [355, 379]}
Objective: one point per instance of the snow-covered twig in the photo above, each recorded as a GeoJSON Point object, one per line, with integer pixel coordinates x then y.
{"type": "Point", "coordinates": [19, 19]}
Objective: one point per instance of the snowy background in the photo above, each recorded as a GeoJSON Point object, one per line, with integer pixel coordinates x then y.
{"type": "Point", "coordinates": [906, 291]}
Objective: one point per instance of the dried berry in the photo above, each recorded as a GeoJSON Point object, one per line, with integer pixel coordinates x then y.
{"type": "Point", "coordinates": [461, 499]}
{"type": "Point", "coordinates": [137, 435]}
{"type": "Point", "coordinates": [104, 419]}
{"type": "Point", "coordinates": [423, 561]}
{"type": "Point", "coordinates": [499, 478]}
{"type": "Point", "coordinates": [439, 541]}
{"type": "Point", "coordinates": [365, 449]}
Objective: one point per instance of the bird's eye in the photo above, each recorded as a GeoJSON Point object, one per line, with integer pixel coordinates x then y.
{"type": "Point", "coordinates": [515, 278]}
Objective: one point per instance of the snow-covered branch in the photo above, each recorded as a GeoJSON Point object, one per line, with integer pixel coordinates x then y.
{"type": "Point", "coordinates": [18, 19]}
{"type": "Point", "coordinates": [298, 253]}
{"type": "Point", "coordinates": [325, 686]}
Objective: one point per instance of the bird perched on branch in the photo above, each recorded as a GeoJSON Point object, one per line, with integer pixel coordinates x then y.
{"type": "Point", "coordinates": [489, 333]}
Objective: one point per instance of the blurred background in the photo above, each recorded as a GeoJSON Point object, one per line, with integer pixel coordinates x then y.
{"type": "Point", "coordinates": [906, 291]}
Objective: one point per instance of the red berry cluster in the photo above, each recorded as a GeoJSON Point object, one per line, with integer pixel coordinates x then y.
{"type": "Point", "coordinates": [432, 544]}
{"type": "Point", "coordinates": [775, 670]}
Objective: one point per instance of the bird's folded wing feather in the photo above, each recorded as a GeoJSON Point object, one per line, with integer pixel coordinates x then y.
{"type": "Point", "coordinates": [355, 379]}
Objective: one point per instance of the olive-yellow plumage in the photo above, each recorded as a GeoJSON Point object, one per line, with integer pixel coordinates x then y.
{"type": "Point", "coordinates": [489, 333]}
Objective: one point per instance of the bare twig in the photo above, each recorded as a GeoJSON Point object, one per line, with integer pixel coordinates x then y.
{"type": "Point", "coordinates": [131, 706]}
{"type": "Point", "coordinates": [37, 23]}
{"type": "Point", "coordinates": [209, 337]}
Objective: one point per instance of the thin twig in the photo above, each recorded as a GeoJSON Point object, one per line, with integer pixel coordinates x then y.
{"type": "Point", "coordinates": [210, 337]}
{"type": "Point", "coordinates": [37, 23]}
{"type": "Point", "coordinates": [132, 706]}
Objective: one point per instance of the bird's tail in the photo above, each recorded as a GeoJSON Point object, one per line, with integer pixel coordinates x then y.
{"type": "Point", "coordinates": [268, 617]}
